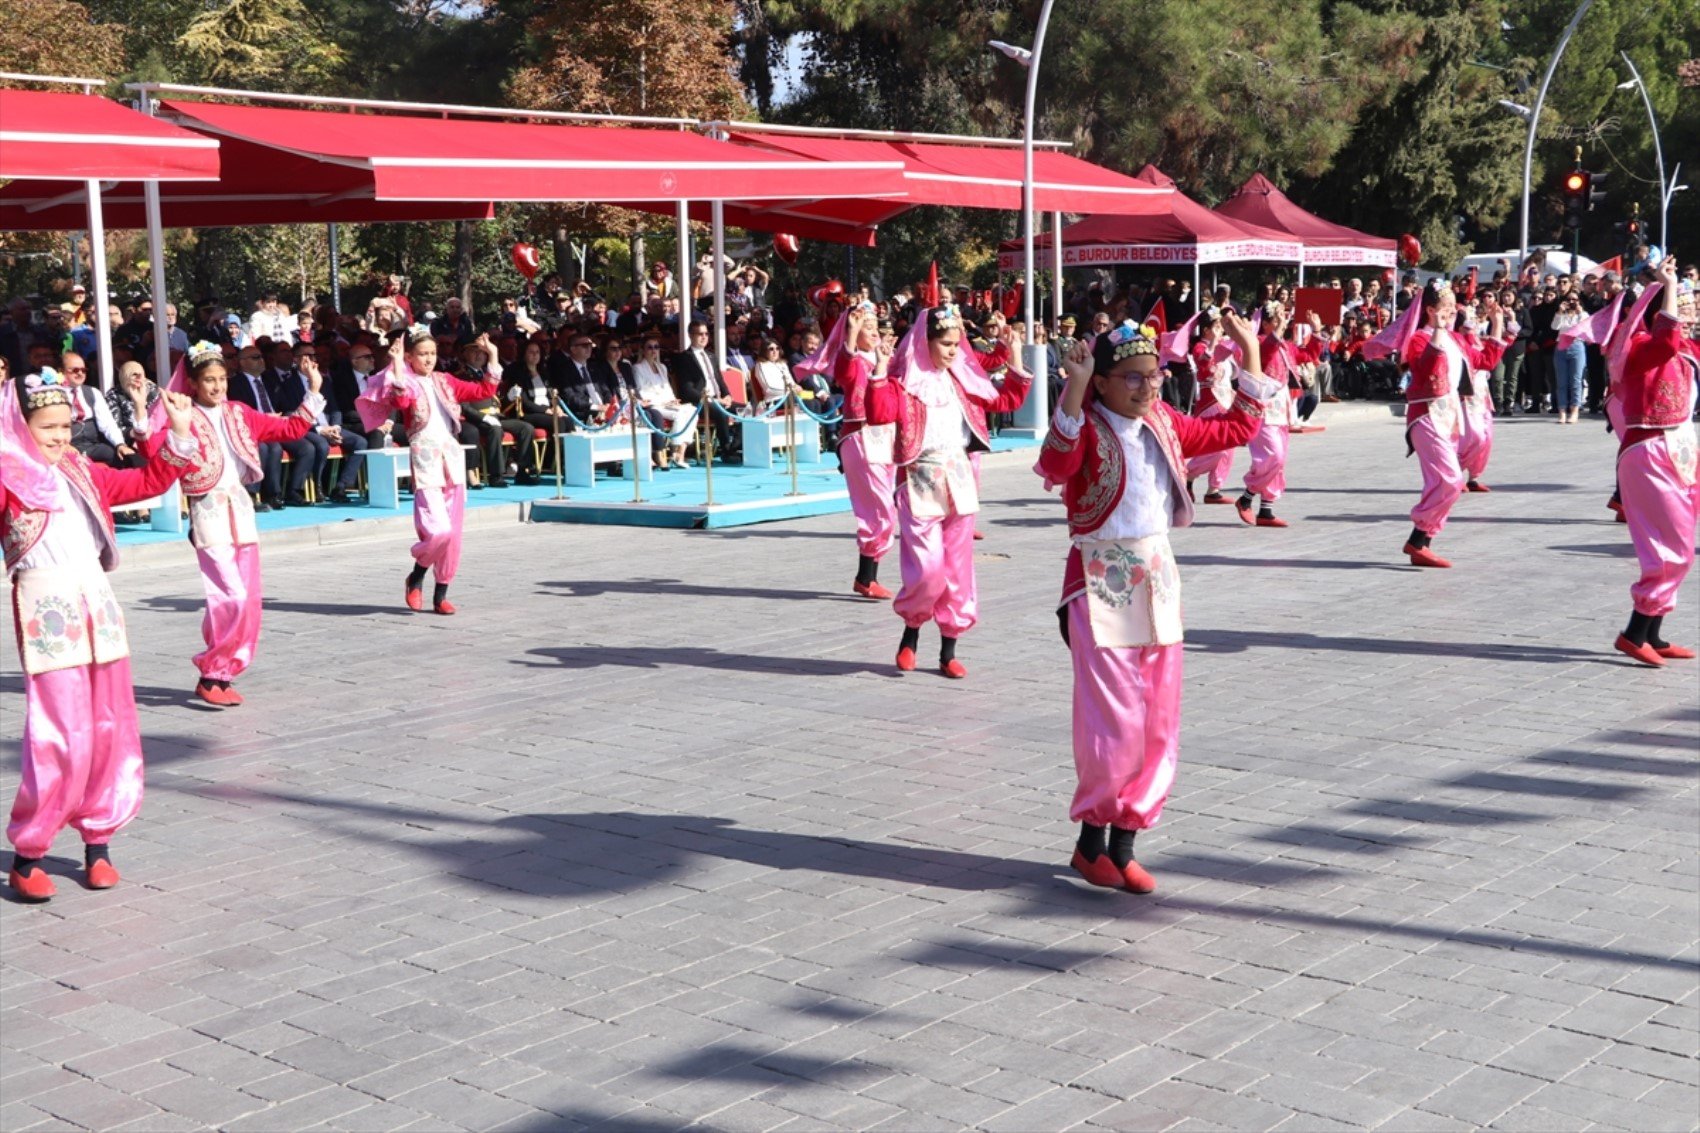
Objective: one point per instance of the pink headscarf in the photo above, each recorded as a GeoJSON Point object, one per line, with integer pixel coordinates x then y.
{"type": "Point", "coordinates": [1596, 328]}
{"type": "Point", "coordinates": [1617, 347]}
{"type": "Point", "coordinates": [1394, 338]}
{"type": "Point", "coordinates": [825, 360]}
{"type": "Point", "coordinates": [26, 474]}
{"type": "Point", "coordinates": [914, 368]}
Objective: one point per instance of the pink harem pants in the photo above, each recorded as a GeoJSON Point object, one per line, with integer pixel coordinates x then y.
{"type": "Point", "coordinates": [230, 576]}
{"type": "Point", "coordinates": [1661, 511]}
{"type": "Point", "coordinates": [1475, 444]}
{"type": "Point", "coordinates": [437, 517]}
{"type": "Point", "coordinates": [938, 570]}
{"type": "Point", "coordinates": [82, 757]}
{"type": "Point", "coordinates": [1443, 477]}
{"type": "Point", "coordinates": [1216, 464]}
{"type": "Point", "coordinates": [1267, 476]}
{"type": "Point", "coordinates": [1127, 725]}
{"type": "Point", "coordinates": [872, 489]}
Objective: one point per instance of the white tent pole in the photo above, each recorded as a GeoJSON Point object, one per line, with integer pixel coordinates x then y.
{"type": "Point", "coordinates": [1059, 293]}
{"type": "Point", "coordinates": [156, 272]}
{"type": "Point", "coordinates": [717, 213]}
{"type": "Point", "coordinates": [682, 273]}
{"type": "Point", "coordinates": [97, 268]}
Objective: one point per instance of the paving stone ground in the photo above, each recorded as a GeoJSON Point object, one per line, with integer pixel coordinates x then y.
{"type": "Point", "coordinates": [652, 835]}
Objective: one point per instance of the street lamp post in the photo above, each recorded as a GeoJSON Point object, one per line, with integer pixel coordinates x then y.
{"type": "Point", "coordinates": [1535, 121]}
{"type": "Point", "coordinates": [1658, 147]}
{"type": "Point", "coordinates": [1038, 412]}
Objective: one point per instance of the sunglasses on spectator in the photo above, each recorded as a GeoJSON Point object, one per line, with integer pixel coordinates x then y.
{"type": "Point", "coordinates": [656, 346]}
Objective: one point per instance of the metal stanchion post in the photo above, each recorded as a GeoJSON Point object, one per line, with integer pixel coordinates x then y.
{"type": "Point", "coordinates": [791, 437]}
{"type": "Point", "coordinates": [705, 445]}
{"type": "Point", "coordinates": [637, 454]}
{"type": "Point", "coordinates": [560, 470]}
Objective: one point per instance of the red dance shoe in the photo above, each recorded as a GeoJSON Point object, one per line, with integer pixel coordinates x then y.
{"type": "Point", "coordinates": [445, 607]}
{"type": "Point", "coordinates": [872, 590]}
{"type": "Point", "coordinates": [906, 660]}
{"type": "Point", "coordinates": [1643, 653]}
{"type": "Point", "coordinates": [1476, 486]}
{"type": "Point", "coordinates": [1423, 557]}
{"type": "Point", "coordinates": [212, 694]}
{"type": "Point", "coordinates": [1216, 498]}
{"type": "Point", "coordinates": [32, 885]}
{"type": "Point", "coordinates": [102, 874]}
{"type": "Point", "coordinates": [1247, 516]}
{"type": "Point", "coordinates": [1674, 652]}
{"type": "Point", "coordinates": [954, 669]}
{"type": "Point", "coordinates": [1100, 871]}
{"type": "Point", "coordinates": [1271, 521]}
{"type": "Point", "coordinates": [231, 696]}
{"type": "Point", "coordinates": [415, 597]}
{"type": "Point", "coordinates": [1137, 880]}
{"type": "Point", "coordinates": [1613, 505]}
{"type": "Point", "coordinates": [978, 534]}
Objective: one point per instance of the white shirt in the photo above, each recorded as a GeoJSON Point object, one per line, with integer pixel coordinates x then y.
{"type": "Point", "coordinates": [435, 427]}
{"type": "Point", "coordinates": [947, 425]}
{"type": "Point", "coordinates": [230, 478]}
{"type": "Point", "coordinates": [1148, 490]}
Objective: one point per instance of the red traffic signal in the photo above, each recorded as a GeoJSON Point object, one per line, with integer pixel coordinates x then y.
{"type": "Point", "coordinates": [1575, 183]}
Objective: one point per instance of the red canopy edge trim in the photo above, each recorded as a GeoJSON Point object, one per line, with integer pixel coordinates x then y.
{"type": "Point", "coordinates": [107, 140]}
{"type": "Point", "coordinates": [574, 165]}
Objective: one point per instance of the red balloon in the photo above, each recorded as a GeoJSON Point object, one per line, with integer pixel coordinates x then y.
{"type": "Point", "coordinates": [1387, 276]}
{"type": "Point", "coordinates": [526, 261]}
{"type": "Point", "coordinates": [1410, 249]}
{"type": "Point", "coordinates": [787, 247]}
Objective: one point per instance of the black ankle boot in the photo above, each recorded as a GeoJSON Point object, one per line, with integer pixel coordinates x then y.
{"type": "Point", "coordinates": [867, 570]}
{"type": "Point", "coordinates": [1121, 846]}
{"type": "Point", "coordinates": [1640, 629]}
{"type": "Point", "coordinates": [1655, 637]}
{"type": "Point", "coordinates": [1091, 842]}
{"type": "Point", "coordinates": [1419, 538]}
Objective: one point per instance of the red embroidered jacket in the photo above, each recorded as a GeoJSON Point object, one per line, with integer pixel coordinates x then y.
{"type": "Point", "coordinates": [101, 487]}
{"type": "Point", "coordinates": [888, 403]}
{"type": "Point", "coordinates": [852, 375]}
{"type": "Point", "coordinates": [1654, 386]}
{"type": "Point", "coordinates": [416, 411]}
{"type": "Point", "coordinates": [1429, 377]}
{"type": "Point", "coordinates": [247, 429]}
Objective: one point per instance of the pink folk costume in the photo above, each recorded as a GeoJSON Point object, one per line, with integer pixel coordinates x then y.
{"type": "Point", "coordinates": [222, 528]}
{"type": "Point", "coordinates": [1653, 377]}
{"type": "Point", "coordinates": [864, 454]}
{"type": "Point", "coordinates": [940, 418]}
{"type": "Point", "coordinates": [429, 405]}
{"type": "Point", "coordinates": [1121, 615]}
{"type": "Point", "coordinates": [82, 750]}
{"type": "Point", "coordinates": [1213, 398]}
{"type": "Point", "coordinates": [1434, 426]}
{"type": "Point", "coordinates": [1267, 477]}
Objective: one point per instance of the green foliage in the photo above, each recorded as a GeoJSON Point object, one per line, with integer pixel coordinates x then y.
{"type": "Point", "coordinates": [261, 45]}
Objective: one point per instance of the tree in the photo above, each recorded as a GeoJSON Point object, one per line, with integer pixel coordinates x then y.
{"type": "Point", "coordinates": [58, 37]}
{"type": "Point", "coordinates": [262, 45]}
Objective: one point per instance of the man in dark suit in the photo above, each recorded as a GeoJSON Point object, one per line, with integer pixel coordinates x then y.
{"type": "Point", "coordinates": [694, 373]}
{"type": "Point", "coordinates": [327, 431]}
{"type": "Point", "coordinates": [286, 387]}
{"type": "Point", "coordinates": [247, 385]}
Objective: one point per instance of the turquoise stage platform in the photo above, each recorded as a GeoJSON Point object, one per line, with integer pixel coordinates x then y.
{"type": "Point", "coordinates": [677, 498]}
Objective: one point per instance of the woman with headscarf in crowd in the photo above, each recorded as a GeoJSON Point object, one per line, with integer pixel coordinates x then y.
{"type": "Point", "coordinates": [1653, 367]}
{"type": "Point", "coordinates": [1439, 359]}
{"type": "Point", "coordinates": [221, 512]}
{"type": "Point", "coordinates": [81, 753]}
{"type": "Point", "coordinates": [429, 401]}
{"type": "Point", "coordinates": [938, 400]}
{"type": "Point", "coordinates": [855, 358]}
{"type": "Point", "coordinates": [1120, 455]}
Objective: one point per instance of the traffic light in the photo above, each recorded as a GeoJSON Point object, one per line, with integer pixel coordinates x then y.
{"type": "Point", "coordinates": [1596, 192]}
{"type": "Point", "coordinates": [1575, 186]}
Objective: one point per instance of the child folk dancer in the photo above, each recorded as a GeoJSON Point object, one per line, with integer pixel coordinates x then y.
{"type": "Point", "coordinates": [1213, 397]}
{"type": "Point", "coordinates": [853, 357]}
{"type": "Point", "coordinates": [1439, 359]}
{"type": "Point", "coordinates": [938, 402]}
{"type": "Point", "coordinates": [221, 513]}
{"type": "Point", "coordinates": [1267, 476]}
{"type": "Point", "coordinates": [1120, 454]}
{"type": "Point", "coordinates": [1652, 369]}
{"type": "Point", "coordinates": [429, 402]}
{"type": "Point", "coordinates": [1475, 423]}
{"type": "Point", "coordinates": [82, 747]}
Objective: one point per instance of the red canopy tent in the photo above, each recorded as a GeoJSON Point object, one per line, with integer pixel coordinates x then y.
{"type": "Point", "coordinates": [1184, 233]}
{"type": "Point", "coordinates": [65, 145]}
{"type": "Point", "coordinates": [1258, 201]}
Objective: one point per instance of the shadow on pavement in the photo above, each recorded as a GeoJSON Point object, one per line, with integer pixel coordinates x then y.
{"type": "Point", "coordinates": [695, 657]}
{"type": "Point", "coordinates": [655, 587]}
{"type": "Point", "coordinates": [1238, 641]}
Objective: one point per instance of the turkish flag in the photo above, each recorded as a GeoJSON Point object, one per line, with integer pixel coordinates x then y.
{"type": "Point", "coordinates": [1158, 319]}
